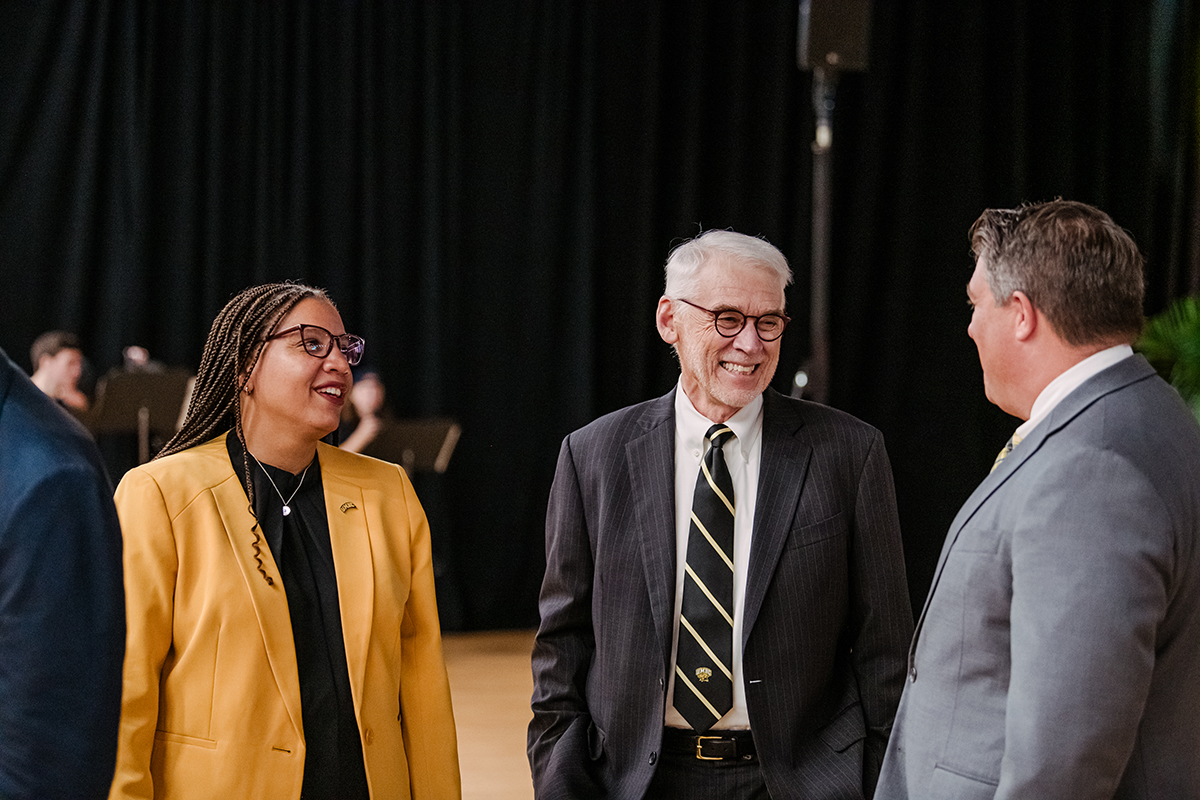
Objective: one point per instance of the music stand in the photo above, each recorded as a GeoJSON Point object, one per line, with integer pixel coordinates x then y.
{"type": "Point", "coordinates": [416, 444]}
{"type": "Point", "coordinates": [141, 402]}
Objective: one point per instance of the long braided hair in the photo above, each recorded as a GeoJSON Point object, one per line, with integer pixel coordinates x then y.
{"type": "Point", "coordinates": [231, 352]}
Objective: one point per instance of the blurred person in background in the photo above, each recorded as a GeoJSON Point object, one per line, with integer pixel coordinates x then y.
{"type": "Point", "coordinates": [363, 416]}
{"type": "Point", "coordinates": [57, 361]}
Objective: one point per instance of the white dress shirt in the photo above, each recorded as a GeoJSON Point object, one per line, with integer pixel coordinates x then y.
{"type": "Point", "coordinates": [742, 455]}
{"type": "Point", "coordinates": [1068, 382]}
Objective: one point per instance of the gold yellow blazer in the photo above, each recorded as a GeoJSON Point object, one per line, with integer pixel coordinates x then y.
{"type": "Point", "coordinates": [211, 705]}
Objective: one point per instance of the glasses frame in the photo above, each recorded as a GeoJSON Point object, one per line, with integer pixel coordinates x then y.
{"type": "Point", "coordinates": [352, 350]}
{"type": "Point", "coordinates": [745, 317]}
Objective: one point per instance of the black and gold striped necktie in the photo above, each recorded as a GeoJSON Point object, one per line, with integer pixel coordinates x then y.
{"type": "Point", "coordinates": [704, 660]}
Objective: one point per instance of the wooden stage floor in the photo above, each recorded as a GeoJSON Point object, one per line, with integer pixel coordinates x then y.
{"type": "Point", "coordinates": [491, 682]}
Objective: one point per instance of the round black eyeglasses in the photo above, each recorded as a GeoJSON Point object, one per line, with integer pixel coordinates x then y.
{"type": "Point", "coordinates": [318, 342]}
{"type": "Point", "coordinates": [729, 322]}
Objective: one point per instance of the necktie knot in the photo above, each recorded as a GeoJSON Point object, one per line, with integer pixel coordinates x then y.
{"type": "Point", "coordinates": [719, 435]}
{"type": "Point", "coordinates": [1008, 448]}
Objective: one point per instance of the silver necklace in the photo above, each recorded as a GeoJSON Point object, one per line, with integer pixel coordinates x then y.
{"type": "Point", "coordinates": [287, 504]}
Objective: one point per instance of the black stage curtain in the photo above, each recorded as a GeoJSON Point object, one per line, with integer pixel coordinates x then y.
{"type": "Point", "coordinates": [489, 190]}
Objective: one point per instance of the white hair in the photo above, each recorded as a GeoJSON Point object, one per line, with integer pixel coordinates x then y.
{"type": "Point", "coordinates": [686, 260]}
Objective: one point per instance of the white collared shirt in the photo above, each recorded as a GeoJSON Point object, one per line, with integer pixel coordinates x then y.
{"type": "Point", "coordinates": [1068, 382]}
{"type": "Point", "coordinates": [742, 455]}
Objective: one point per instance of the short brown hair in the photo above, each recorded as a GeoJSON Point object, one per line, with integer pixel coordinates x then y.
{"type": "Point", "coordinates": [51, 343]}
{"type": "Point", "coordinates": [1077, 266]}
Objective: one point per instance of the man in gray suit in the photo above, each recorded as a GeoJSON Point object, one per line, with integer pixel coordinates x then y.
{"type": "Point", "coordinates": [781, 516]}
{"type": "Point", "coordinates": [1058, 653]}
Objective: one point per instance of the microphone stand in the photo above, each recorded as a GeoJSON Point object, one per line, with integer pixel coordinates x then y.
{"type": "Point", "coordinates": [817, 368]}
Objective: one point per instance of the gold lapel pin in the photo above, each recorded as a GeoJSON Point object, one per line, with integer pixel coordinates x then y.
{"type": "Point", "coordinates": [347, 506]}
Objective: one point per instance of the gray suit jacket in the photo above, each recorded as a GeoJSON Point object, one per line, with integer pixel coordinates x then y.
{"type": "Point", "coordinates": [1058, 654]}
{"type": "Point", "coordinates": [826, 622]}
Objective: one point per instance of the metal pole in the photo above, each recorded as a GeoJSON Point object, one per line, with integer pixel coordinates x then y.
{"type": "Point", "coordinates": [143, 435]}
{"type": "Point", "coordinates": [824, 91]}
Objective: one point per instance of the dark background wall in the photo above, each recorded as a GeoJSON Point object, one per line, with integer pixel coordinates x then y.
{"type": "Point", "coordinates": [489, 190]}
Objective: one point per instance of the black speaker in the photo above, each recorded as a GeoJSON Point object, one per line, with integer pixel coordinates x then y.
{"type": "Point", "coordinates": [834, 34]}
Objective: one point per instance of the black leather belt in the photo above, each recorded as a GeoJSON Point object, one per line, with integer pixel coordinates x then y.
{"type": "Point", "coordinates": [711, 746]}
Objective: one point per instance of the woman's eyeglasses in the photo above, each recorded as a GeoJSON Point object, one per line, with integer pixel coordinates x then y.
{"type": "Point", "coordinates": [318, 342]}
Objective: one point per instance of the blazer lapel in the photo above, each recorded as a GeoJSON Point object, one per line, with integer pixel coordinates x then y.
{"type": "Point", "coordinates": [345, 509]}
{"type": "Point", "coordinates": [270, 601]}
{"type": "Point", "coordinates": [651, 463]}
{"type": "Point", "coordinates": [781, 473]}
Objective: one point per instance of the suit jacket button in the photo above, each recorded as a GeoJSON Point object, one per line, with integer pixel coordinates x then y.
{"type": "Point", "coordinates": [653, 758]}
{"type": "Point", "coordinates": [912, 674]}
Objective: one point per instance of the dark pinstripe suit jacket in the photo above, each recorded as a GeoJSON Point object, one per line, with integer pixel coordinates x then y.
{"type": "Point", "coordinates": [827, 618]}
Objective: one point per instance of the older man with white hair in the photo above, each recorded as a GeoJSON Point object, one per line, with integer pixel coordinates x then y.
{"type": "Point", "coordinates": [724, 612]}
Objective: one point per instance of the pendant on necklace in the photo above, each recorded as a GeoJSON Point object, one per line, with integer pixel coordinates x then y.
{"type": "Point", "coordinates": [287, 508]}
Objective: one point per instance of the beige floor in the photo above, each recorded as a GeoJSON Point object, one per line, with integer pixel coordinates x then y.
{"type": "Point", "coordinates": [491, 683]}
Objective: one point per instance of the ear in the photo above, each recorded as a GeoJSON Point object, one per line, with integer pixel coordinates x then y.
{"type": "Point", "coordinates": [1026, 318]}
{"type": "Point", "coordinates": [664, 320]}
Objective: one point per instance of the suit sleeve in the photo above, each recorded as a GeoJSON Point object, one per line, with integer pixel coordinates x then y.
{"type": "Point", "coordinates": [150, 569]}
{"type": "Point", "coordinates": [430, 741]}
{"type": "Point", "coordinates": [62, 632]}
{"type": "Point", "coordinates": [565, 645]}
{"type": "Point", "coordinates": [1091, 567]}
{"type": "Point", "coordinates": [880, 606]}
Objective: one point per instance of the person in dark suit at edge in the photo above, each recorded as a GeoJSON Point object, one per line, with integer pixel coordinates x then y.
{"type": "Point", "coordinates": [724, 612]}
{"type": "Point", "coordinates": [62, 605]}
{"type": "Point", "coordinates": [1058, 653]}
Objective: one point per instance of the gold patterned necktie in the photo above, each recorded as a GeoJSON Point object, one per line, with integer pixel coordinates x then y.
{"type": "Point", "coordinates": [1003, 454]}
{"type": "Point", "coordinates": [704, 660]}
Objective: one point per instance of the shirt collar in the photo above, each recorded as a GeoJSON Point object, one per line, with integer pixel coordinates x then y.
{"type": "Point", "coordinates": [1069, 381]}
{"type": "Point", "coordinates": [691, 425]}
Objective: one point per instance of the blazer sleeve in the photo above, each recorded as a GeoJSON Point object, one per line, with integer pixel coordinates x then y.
{"type": "Point", "coordinates": [880, 605]}
{"type": "Point", "coordinates": [1092, 560]}
{"type": "Point", "coordinates": [150, 569]}
{"type": "Point", "coordinates": [558, 739]}
{"type": "Point", "coordinates": [430, 741]}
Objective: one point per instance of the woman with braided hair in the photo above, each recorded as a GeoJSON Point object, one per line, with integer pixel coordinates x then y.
{"type": "Point", "coordinates": [283, 637]}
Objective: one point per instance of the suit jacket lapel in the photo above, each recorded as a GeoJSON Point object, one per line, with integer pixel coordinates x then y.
{"type": "Point", "coordinates": [781, 472]}
{"type": "Point", "coordinates": [7, 370]}
{"type": "Point", "coordinates": [345, 509]}
{"type": "Point", "coordinates": [1110, 380]}
{"type": "Point", "coordinates": [270, 601]}
{"type": "Point", "coordinates": [651, 463]}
